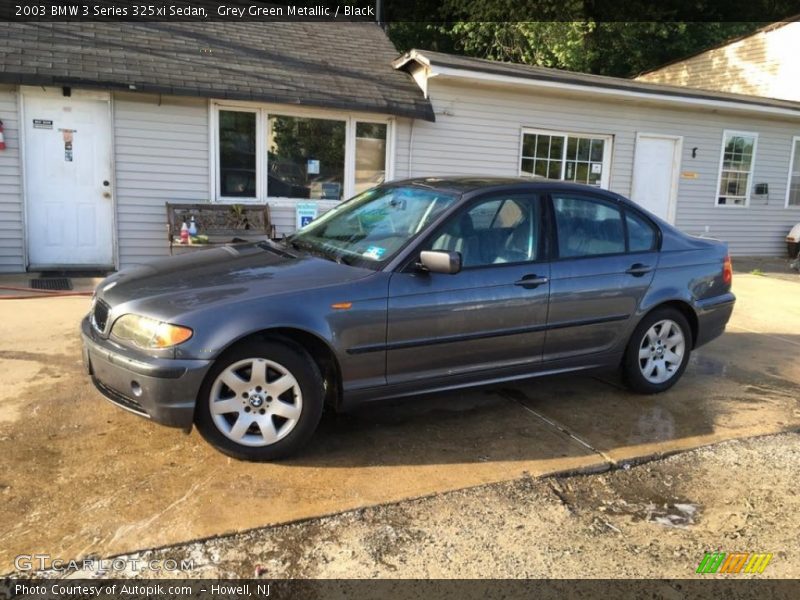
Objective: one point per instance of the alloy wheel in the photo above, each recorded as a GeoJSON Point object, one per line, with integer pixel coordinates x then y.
{"type": "Point", "coordinates": [255, 402]}
{"type": "Point", "coordinates": [661, 351]}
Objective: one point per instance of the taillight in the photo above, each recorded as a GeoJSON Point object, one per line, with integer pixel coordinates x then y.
{"type": "Point", "coordinates": [727, 270]}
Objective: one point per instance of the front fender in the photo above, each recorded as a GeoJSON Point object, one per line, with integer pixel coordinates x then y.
{"type": "Point", "coordinates": [363, 323]}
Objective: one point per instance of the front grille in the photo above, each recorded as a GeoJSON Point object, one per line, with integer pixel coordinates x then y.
{"type": "Point", "coordinates": [121, 400]}
{"type": "Point", "coordinates": [100, 315]}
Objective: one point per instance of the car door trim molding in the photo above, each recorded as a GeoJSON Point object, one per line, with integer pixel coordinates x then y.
{"type": "Point", "coordinates": [450, 339]}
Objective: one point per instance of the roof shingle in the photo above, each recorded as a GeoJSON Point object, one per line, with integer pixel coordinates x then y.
{"type": "Point", "coordinates": [334, 65]}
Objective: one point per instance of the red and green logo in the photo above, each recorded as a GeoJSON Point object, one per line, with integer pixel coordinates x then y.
{"type": "Point", "coordinates": [734, 562]}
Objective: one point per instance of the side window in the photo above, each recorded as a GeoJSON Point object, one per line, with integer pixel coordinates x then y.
{"type": "Point", "coordinates": [641, 236]}
{"type": "Point", "coordinates": [587, 227]}
{"type": "Point", "coordinates": [496, 231]}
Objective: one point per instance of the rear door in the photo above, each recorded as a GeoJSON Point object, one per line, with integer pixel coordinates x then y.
{"type": "Point", "coordinates": [491, 314]}
{"type": "Point", "coordinates": [606, 258]}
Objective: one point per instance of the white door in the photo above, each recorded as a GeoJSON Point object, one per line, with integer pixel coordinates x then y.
{"type": "Point", "coordinates": [656, 166]}
{"type": "Point", "coordinates": [69, 210]}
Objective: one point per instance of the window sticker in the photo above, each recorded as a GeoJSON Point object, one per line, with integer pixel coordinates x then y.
{"type": "Point", "coordinates": [374, 252]}
{"type": "Point", "coordinates": [67, 135]}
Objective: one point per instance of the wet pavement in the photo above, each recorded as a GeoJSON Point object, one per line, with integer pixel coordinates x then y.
{"type": "Point", "coordinates": [84, 478]}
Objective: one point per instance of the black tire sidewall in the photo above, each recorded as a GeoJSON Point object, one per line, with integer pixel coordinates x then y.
{"type": "Point", "coordinates": [304, 370]}
{"type": "Point", "coordinates": [630, 366]}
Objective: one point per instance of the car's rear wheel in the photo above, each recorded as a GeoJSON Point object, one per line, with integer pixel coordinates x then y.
{"type": "Point", "coordinates": [658, 351]}
{"type": "Point", "coordinates": [260, 401]}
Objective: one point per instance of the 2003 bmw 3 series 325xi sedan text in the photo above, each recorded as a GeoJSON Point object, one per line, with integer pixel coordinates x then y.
{"type": "Point", "coordinates": [411, 287]}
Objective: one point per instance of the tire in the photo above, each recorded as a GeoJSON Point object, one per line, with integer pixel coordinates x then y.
{"type": "Point", "coordinates": [655, 357]}
{"type": "Point", "coordinates": [249, 383]}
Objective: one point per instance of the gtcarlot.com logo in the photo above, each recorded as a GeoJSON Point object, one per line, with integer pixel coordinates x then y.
{"type": "Point", "coordinates": [734, 562]}
{"type": "Point", "coordinates": [45, 562]}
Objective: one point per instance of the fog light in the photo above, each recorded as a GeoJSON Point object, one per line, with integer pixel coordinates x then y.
{"type": "Point", "coordinates": [136, 388]}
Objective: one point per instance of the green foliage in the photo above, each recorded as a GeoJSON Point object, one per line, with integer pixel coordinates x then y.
{"type": "Point", "coordinates": [617, 48]}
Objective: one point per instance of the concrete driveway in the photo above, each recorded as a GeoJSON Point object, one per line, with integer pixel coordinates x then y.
{"type": "Point", "coordinates": [82, 477]}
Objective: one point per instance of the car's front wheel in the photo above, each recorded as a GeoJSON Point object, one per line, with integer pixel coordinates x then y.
{"type": "Point", "coordinates": [658, 351]}
{"type": "Point", "coordinates": [260, 401]}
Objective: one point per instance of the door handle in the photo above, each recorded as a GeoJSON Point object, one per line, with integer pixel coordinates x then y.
{"type": "Point", "coordinates": [531, 281]}
{"type": "Point", "coordinates": [638, 269]}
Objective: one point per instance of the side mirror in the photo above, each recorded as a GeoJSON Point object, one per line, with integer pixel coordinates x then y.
{"type": "Point", "coordinates": [440, 261]}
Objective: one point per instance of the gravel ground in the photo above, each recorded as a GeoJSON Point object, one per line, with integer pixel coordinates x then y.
{"type": "Point", "coordinates": [652, 520]}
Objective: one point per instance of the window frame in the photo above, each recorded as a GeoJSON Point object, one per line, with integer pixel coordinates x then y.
{"type": "Point", "coordinates": [263, 112]}
{"type": "Point", "coordinates": [730, 133]}
{"type": "Point", "coordinates": [217, 196]}
{"type": "Point", "coordinates": [608, 147]}
{"type": "Point", "coordinates": [795, 143]}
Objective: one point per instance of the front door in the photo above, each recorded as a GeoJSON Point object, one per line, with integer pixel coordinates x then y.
{"type": "Point", "coordinates": [488, 316]}
{"type": "Point", "coordinates": [70, 216]}
{"type": "Point", "coordinates": [656, 168]}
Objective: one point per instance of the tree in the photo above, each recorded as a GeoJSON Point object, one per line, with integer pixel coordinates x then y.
{"type": "Point", "coordinates": [577, 35]}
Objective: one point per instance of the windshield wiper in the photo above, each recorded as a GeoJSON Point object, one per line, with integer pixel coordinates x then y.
{"type": "Point", "coordinates": [320, 251]}
{"type": "Point", "coordinates": [270, 246]}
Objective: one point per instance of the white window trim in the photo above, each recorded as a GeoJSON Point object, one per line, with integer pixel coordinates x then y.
{"type": "Point", "coordinates": [263, 112]}
{"type": "Point", "coordinates": [795, 141]}
{"type": "Point", "coordinates": [216, 191]}
{"type": "Point", "coordinates": [605, 179]}
{"type": "Point", "coordinates": [725, 134]}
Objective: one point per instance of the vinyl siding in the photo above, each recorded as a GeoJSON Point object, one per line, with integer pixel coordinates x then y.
{"type": "Point", "coordinates": [478, 128]}
{"type": "Point", "coordinates": [161, 155]}
{"type": "Point", "coordinates": [12, 241]}
{"type": "Point", "coordinates": [402, 148]}
{"type": "Point", "coordinates": [763, 64]}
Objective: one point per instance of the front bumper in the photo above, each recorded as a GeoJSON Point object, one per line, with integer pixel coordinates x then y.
{"type": "Point", "coordinates": [713, 315]}
{"type": "Point", "coordinates": [163, 390]}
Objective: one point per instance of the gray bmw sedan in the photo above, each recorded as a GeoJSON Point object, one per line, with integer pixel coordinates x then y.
{"type": "Point", "coordinates": [411, 287]}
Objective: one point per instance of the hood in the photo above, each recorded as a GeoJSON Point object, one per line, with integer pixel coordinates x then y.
{"type": "Point", "coordinates": [203, 278]}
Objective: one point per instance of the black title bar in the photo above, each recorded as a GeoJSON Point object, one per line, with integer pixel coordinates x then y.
{"type": "Point", "coordinates": [407, 589]}
{"type": "Point", "coordinates": [389, 11]}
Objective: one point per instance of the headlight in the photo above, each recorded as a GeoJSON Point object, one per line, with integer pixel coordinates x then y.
{"type": "Point", "coordinates": [149, 333]}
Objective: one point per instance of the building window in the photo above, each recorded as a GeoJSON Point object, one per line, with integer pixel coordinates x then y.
{"type": "Point", "coordinates": [793, 186]}
{"type": "Point", "coordinates": [263, 152]}
{"type": "Point", "coordinates": [305, 158]}
{"type": "Point", "coordinates": [736, 168]}
{"type": "Point", "coordinates": [237, 153]}
{"type": "Point", "coordinates": [370, 155]}
{"type": "Point", "coordinates": [566, 156]}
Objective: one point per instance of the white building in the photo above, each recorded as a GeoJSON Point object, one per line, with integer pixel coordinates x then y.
{"type": "Point", "coordinates": [107, 122]}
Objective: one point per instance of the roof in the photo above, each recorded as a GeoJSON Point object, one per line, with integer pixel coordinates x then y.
{"type": "Point", "coordinates": [339, 65]}
{"type": "Point", "coordinates": [462, 184]}
{"type": "Point", "coordinates": [722, 44]}
{"type": "Point", "coordinates": [465, 64]}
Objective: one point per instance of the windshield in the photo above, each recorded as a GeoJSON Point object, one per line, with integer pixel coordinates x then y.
{"type": "Point", "coordinates": [372, 227]}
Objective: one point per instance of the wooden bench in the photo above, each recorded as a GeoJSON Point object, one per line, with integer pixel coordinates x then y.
{"type": "Point", "coordinates": [221, 223]}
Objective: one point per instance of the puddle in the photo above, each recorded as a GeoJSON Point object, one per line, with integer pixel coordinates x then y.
{"type": "Point", "coordinates": [679, 515]}
{"type": "Point", "coordinates": [672, 514]}
{"type": "Point", "coordinates": [705, 365]}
